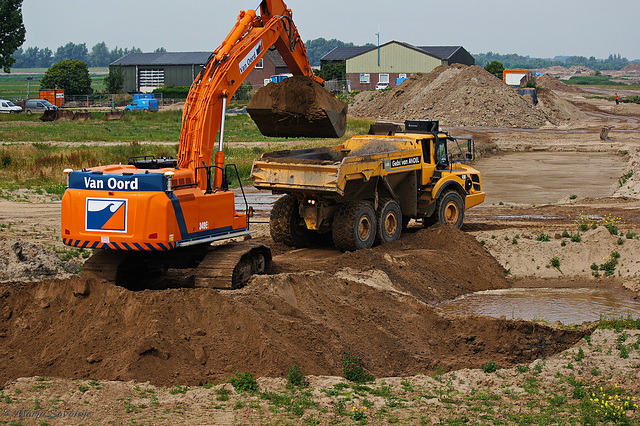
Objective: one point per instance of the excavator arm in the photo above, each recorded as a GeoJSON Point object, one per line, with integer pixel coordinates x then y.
{"type": "Point", "coordinates": [227, 68]}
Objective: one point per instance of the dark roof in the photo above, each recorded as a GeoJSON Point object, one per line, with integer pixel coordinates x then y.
{"type": "Point", "coordinates": [182, 58]}
{"type": "Point", "coordinates": [341, 53]}
{"type": "Point", "coordinates": [442, 52]}
{"type": "Point", "coordinates": [164, 58]}
{"type": "Point", "coordinates": [274, 57]}
{"type": "Point", "coordinates": [344, 52]}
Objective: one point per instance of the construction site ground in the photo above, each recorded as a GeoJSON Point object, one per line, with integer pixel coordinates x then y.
{"type": "Point", "coordinates": [78, 350]}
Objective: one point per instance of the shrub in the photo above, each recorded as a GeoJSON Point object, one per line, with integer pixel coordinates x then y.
{"type": "Point", "coordinates": [244, 382]}
{"type": "Point", "coordinates": [543, 237]}
{"type": "Point", "coordinates": [295, 376]}
{"type": "Point", "coordinates": [353, 370]}
{"type": "Point", "coordinates": [490, 367]}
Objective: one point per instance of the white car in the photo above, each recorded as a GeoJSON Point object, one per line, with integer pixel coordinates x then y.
{"type": "Point", "coordinates": [381, 86]}
{"type": "Point", "coordinates": [9, 107]}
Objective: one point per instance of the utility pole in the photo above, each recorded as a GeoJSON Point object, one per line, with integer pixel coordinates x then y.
{"type": "Point", "coordinates": [378, 34]}
{"type": "Point", "coordinates": [28, 85]}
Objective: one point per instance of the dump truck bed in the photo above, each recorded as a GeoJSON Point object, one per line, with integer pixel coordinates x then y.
{"type": "Point", "coordinates": [328, 169]}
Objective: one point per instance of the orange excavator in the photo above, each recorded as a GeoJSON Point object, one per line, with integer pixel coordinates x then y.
{"type": "Point", "coordinates": [159, 216]}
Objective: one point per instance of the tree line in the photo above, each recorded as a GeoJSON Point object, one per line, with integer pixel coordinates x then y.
{"type": "Point", "coordinates": [99, 55]}
{"type": "Point", "coordinates": [514, 61]}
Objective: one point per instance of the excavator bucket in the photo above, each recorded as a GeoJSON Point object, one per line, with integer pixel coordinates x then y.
{"type": "Point", "coordinates": [56, 114]}
{"type": "Point", "coordinates": [298, 107]}
{"type": "Point", "coordinates": [115, 115]}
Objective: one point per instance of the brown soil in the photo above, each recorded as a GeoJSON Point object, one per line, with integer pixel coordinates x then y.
{"type": "Point", "coordinates": [552, 83]}
{"type": "Point", "coordinates": [297, 106]}
{"type": "Point", "coordinates": [191, 336]}
{"type": "Point", "coordinates": [318, 304]}
{"type": "Point", "coordinates": [463, 96]}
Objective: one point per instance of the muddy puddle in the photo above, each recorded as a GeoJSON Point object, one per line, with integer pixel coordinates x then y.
{"type": "Point", "coordinates": [567, 305]}
{"type": "Point", "coordinates": [546, 177]}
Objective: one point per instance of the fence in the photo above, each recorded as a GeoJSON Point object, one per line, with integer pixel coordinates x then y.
{"type": "Point", "coordinates": [106, 100]}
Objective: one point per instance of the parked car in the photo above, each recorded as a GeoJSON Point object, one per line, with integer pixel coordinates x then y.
{"type": "Point", "coordinates": [143, 102]}
{"type": "Point", "coordinates": [38, 105]}
{"type": "Point", "coordinates": [381, 86]}
{"type": "Point", "coordinates": [9, 107]}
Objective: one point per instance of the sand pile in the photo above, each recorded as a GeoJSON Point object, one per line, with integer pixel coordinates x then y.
{"type": "Point", "coordinates": [457, 96]}
{"type": "Point", "coordinates": [89, 328]}
{"type": "Point", "coordinates": [25, 261]}
{"type": "Point", "coordinates": [632, 68]}
{"type": "Point", "coordinates": [553, 83]}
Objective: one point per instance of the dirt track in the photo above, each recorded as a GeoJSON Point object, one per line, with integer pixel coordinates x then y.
{"type": "Point", "coordinates": [318, 304]}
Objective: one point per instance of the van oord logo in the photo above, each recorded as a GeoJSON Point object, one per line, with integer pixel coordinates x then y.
{"type": "Point", "coordinates": [108, 215]}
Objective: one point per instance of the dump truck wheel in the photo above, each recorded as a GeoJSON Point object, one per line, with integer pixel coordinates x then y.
{"type": "Point", "coordinates": [286, 225]}
{"type": "Point", "coordinates": [450, 209]}
{"type": "Point", "coordinates": [390, 221]}
{"type": "Point", "coordinates": [354, 226]}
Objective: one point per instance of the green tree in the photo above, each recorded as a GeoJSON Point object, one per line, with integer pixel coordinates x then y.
{"type": "Point", "coordinates": [495, 68]}
{"type": "Point", "coordinates": [114, 82]}
{"type": "Point", "coordinates": [72, 51]}
{"type": "Point", "coordinates": [12, 31]}
{"type": "Point", "coordinates": [71, 75]}
{"type": "Point", "coordinates": [99, 56]}
{"type": "Point", "coordinates": [334, 70]}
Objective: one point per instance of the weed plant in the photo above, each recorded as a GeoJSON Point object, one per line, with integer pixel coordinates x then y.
{"type": "Point", "coordinates": [244, 382]}
{"type": "Point", "coordinates": [353, 370]}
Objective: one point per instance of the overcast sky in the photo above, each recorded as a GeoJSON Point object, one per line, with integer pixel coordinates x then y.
{"type": "Point", "coordinates": [542, 28]}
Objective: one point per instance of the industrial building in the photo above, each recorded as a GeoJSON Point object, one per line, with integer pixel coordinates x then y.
{"type": "Point", "coordinates": [147, 71]}
{"type": "Point", "coordinates": [392, 62]}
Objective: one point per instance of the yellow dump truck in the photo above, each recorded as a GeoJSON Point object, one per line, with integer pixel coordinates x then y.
{"type": "Point", "coordinates": [366, 190]}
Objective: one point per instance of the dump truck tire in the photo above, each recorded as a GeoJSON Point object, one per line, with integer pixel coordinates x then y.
{"type": "Point", "coordinates": [354, 226]}
{"type": "Point", "coordinates": [390, 221]}
{"type": "Point", "coordinates": [285, 223]}
{"type": "Point", "coordinates": [450, 209]}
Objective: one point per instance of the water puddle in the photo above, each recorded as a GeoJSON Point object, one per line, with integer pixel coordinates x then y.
{"type": "Point", "coordinates": [567, 305]}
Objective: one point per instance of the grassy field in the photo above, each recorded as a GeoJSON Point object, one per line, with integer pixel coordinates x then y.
{"type": "Point", "coordinates": [39, 165]}
{"type": "Point", "coordinates": [14, 85]}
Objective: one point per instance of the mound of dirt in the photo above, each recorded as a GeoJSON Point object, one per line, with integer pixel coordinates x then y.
{"type": "Point", "coordinates": [564, 72]}
{"type": "Point", "coordinates": [632, 68]}
{"type": "Point", "coordinates": [558, 111]}
{"type": "Point", "coordinates": [25, 261]}
{"type": "Point", "coordinates": [297, 106]}
{"type": "Point", "coordinates": [552, 83]}
{"type": "Point", "coordinates": [457, 96]}
{"type": "Point", "coordinates": [371, 305]}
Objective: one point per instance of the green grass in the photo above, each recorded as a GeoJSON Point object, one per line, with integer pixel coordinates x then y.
{"type": "Point", "coordinates": [14, 85]}
{"type": "Point", "coordinates": [39, 165]}
{"type": "Point", "coordinates": [599, 80]}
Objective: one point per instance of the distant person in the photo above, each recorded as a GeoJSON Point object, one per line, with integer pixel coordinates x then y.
{"type": "Point", "coordinates": [617, 99]}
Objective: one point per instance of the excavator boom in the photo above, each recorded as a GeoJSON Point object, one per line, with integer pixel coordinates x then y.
{"type": "Point", "coordinates": [230, 65]}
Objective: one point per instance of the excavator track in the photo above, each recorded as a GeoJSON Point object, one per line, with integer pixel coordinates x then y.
{"type": "Point", "coordinates": [232, 265]}
{"type": "Point", "coordinates": [228, 266]}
